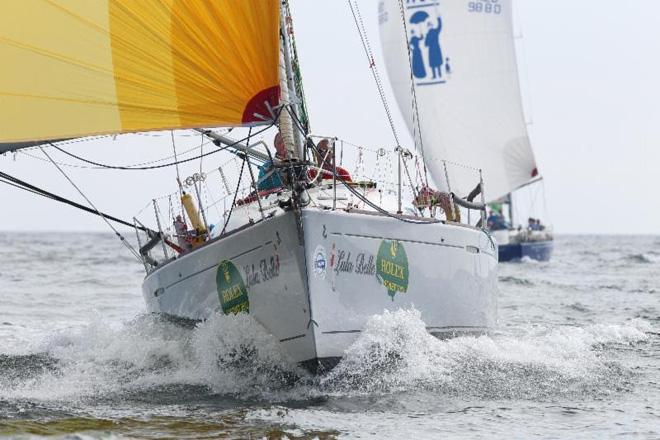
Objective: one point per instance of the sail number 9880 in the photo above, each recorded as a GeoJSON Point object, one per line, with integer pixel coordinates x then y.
{"type": "Point", "coordinates": [485, 6]}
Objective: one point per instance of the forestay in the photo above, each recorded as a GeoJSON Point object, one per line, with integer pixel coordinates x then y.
{"type": "Point", "coordinates": [78, 67]}
{"type": "Point", "coordinates": [463, 63]}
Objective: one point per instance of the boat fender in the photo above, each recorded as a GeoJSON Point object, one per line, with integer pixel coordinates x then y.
{"type": "Point", "coordinates": [193, 214]}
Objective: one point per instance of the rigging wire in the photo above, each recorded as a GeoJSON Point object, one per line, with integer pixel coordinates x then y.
{"type": "Point", "coordinates": [201, 152]}
{"type": "Point", "coordinates": [365, 200]}
{"type": "Point", "coordinates": [178, 176]}
{"type": "Point", "coordinates": [356, 193]}
{"type": "Point", "coordinates": [176, 159]}
{"type": "Point", "coordinates": [359, 24]}
{"type": "Point", "coordinates": [295, 67]}
{"type": "Point", "coordinates": [66, 142]}
{"type": "Point", "coordinates": [413, 92]}
{"type": "Point", "coordinates": [71, 165]}
{"type": "Point", "coordinates": [209, 195]}
{"type": "Point", "coordinates": [238, 186]}
{"type": "Point", "coordinates": [405, 167]}
{"type": "Point", "coordinates": [121, 237]}
{"type": "Point", "coordinates": [64, 164]}
{"type": "Point", "coordinates": [142, 168]}
{"type": "Point", "coordinates": [350, 188]}
{"type": "Point", "coordinates": [16, 185]}
{"type": "Point", "coordinates": [21, 184]}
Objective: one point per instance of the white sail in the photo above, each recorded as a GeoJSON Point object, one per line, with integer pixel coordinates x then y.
{"type": "Point", "coordinates": [462, 57]}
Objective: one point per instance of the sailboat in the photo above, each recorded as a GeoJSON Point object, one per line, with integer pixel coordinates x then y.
{"type": "Point", "coordinates": [466, 87]}
{"type": "Point", "coordinates": [311, 259]}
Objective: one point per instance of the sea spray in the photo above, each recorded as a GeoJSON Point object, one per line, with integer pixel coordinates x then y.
{"type": "Point", "coordinates": [224, 355]}
{"type": "Point", "coordinates": [395, 353]}
{"type": "Point", "coordinates": [234, 355]}
{"type": "Point", "coordinates": [104, 358]}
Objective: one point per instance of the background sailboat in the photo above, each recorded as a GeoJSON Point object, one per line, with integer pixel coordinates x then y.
{"type": "Point", "coordinates": [462, 102]}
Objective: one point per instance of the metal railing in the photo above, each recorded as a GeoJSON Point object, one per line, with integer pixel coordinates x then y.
{"type": "Point", "coordinates": [388, 169]}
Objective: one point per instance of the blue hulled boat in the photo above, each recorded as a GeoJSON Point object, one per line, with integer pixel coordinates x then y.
{"type": "Point", "coordinates": [535, 250]}
{"type": "Point", "coordinates": [534, 241]}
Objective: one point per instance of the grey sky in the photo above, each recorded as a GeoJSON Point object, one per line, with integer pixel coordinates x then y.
{"type": "Point", "coordinates": [589, 71]}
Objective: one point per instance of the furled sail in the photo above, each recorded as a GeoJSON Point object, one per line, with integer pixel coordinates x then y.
{"type": "Point", "coordinates": [463, 63]}
{"type": "Point", "coordinates": [74, 68]}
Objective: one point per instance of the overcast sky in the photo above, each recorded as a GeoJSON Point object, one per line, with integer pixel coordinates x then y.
{"type": "Point", "coordinates": [590, 75]}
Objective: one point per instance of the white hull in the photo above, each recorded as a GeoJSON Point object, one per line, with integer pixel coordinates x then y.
{"type": "Point", "coordinates": [314, 284]}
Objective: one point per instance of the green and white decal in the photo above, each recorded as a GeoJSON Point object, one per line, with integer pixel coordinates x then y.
{"type": "Point", "coordinates": [231, 289]}
{"type": "Point", "coordinates": [392, 267]}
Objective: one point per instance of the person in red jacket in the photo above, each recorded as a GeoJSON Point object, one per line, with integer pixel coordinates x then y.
{"type": "Point", "coordinates": [325, 161]}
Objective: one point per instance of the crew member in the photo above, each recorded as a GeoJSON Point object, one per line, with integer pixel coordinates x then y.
{"type": "Point", "coordinates": [325, 161]}
{"type": "Point", "coordinates": [534, 224]}
{"type": "Point", "coordinates": [181, 230]}
{"type": "Point", "coordinates": [274, 180]}
{"type": "Point", "coordinates": [496, 221]}
{"type": "Point", "coordinates": [427, 197]}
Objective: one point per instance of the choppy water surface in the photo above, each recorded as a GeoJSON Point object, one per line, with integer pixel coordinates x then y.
{"type": "Point", "coordinates": [576, 355]}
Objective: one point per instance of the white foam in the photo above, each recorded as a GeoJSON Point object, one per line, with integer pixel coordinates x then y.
{"type": "Point", "coordinates": [235, 355]}
{"type": "Point", "coordinates": [532, 262]}
{"type": "Point", "coordinates": [396, 353]}
{"type": "Point", "coordinates": [103, 358]}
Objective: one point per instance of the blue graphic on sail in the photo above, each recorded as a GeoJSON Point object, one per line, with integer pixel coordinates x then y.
{"type": "Point", "coordinates": [432, 42]}
{"type": "Point", "coordinates": [418, 68]}
{"type": "Point", "coordinates": [429, 65]}
{"type": "Point", "coordinates": [419, 17]}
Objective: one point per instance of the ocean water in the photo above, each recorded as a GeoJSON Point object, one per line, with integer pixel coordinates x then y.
{"type": "Point", "coordinates": [576, 355]}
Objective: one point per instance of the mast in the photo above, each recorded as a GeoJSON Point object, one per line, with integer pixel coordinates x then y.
{"type": "Point", "coordinates": [288, 94]}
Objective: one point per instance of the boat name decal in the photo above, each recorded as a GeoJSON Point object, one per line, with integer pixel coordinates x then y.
{"type": "Point", "coordinates": [232, 292]}
{"type": "Point", "coordinates": [363, 264]}
{"type": "Point", "coordinates": [392, 267]}
{"type": "Point", "coordinates": [267, 269]}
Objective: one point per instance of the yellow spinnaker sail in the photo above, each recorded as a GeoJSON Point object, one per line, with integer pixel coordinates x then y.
{"type": "Point", "coordinates": [81, 67]}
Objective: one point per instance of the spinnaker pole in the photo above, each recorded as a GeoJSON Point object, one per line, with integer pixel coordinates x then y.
{"type": "Point", "coordinates": [219, 139]}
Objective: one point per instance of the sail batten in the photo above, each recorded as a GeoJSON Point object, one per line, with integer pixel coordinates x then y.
{"type": "Point", "coordinates": [74, 68]}
{"type": "Point", "coordinates": [463, 63]}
